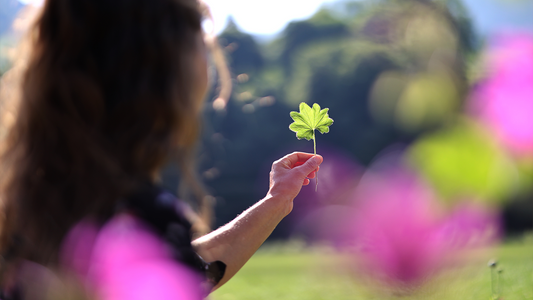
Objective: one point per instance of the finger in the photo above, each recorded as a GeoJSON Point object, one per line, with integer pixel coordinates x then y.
{"type": "Point", "coordinates": [300, 163]}
{"type": "Point", "coordinates": [306, 182]}
{"type": "Point", "coordinates": [296, 159]}
{"type": "Point", "coordinates": [313, 174]}
{"type": "Point", "coordinates": [310, 165]}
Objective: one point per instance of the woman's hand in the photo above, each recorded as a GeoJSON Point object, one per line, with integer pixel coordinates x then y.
{"type": "Point", "coordinates": [235, 242]}
{"type": "Point", "coordinates": [290, 173]}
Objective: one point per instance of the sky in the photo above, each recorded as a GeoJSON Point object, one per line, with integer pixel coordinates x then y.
{"type": "Point", "coordinates": [493, 16]}
{"type": "Point", "coordinates": [268, 17]}
{"type": "Point", "coordinates": [261, 17]}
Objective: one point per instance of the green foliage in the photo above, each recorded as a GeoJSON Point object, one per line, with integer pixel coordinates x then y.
{"type": "Point", "coordinates": [242, 50]}
{"type": "Point", "coordinates": [298, 35]}
{"type": "Point", "coordinates": [464, 161]}
{"type": "Point", "coordinates": [328, 67]}
{"type": "Point", "coordinates": [310, 119]}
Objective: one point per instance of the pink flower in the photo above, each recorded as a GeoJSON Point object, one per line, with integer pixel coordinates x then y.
{"type": "Point", "coordinates": [124, 260]}
{"type": "Point", "coordinates": [504, 101]}
{"type": "Point", "coordinates": [317, 214]}
{"type": "Point", "coordinates": [403, 236]}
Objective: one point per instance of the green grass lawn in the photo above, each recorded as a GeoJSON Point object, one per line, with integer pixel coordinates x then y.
{"type": "Point", "coordinates": [282, 272]}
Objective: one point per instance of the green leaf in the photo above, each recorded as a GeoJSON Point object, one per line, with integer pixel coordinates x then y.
{"type": "Point", "coordinates": [310, 119]}
{"type": "Point", "coordinates": [307, 121]}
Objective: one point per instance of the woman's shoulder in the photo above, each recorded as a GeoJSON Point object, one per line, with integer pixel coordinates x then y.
{"type": "Point", "coordinates": [158, 207]}
{"type": "Point", "coordinates": [166, 216]}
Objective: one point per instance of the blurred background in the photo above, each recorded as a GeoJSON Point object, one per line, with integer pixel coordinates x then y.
{"type": "Point", "coordinates": [401, 77]}
{"type": "Point", "coordinates": [433, 108]}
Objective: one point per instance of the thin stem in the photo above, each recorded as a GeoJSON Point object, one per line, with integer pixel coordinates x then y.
{"type": "Point", "coordinates": [500, 282]}
{"type": "Point", "coordinates": [493, 282]}
{"type": "Point", "coordinates": [316, 174]}
{"type": "Point", "coordinates": [314, 141]}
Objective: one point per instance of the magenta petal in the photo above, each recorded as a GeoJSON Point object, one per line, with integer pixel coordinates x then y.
{"type": "Point", "coordinates": [504, 101]}
{"type": "Point", "coordinates": [471, 225]}
{"type": "Point", "coordinates": [77, 247]}
{"type": "Point", "coordinates": [125, 261]}
{"type": "Point", "coordinates": [403, 236]}
{"type": "Point", "coordinates": [153, 279]}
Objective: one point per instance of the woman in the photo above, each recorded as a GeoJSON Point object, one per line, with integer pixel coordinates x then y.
{"type": "Point", "coordinates": [110, 92]}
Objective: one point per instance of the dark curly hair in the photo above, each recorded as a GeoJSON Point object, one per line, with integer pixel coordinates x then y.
{"type": "Point", "coordinates": [105, 98]}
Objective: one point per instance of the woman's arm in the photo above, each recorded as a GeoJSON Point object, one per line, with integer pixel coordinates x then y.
{"type": "Point", "coordinates": [235, 242]}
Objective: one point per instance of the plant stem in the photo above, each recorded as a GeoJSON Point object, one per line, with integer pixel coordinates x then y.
{"type": "Point", "coordinates": [316, 174]}
{"type": "Point", "coordinates": [493, 283]}
{"type": "Point", "coordinates": [500, 282]}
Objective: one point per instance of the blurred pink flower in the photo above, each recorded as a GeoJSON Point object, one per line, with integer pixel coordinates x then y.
{"type": "Point", "coordinates": [504, 101]}
{"type": "Point", "coordinates": [316, 214]}
{"type": "Point", "coordinates": [124, 260]}
{"type": "Point", "coordinates": [403, 236]}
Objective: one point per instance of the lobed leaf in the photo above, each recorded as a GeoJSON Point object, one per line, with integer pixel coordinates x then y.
{"type": "Point", "coordinates": [310, 119]}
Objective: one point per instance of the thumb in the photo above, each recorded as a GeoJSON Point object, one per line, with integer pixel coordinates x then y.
{"type": "Point", "coordinates": [311, 164]}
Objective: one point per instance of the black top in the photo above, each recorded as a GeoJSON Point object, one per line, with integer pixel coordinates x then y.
{"type": "Point", "coordinates": [163, 213]}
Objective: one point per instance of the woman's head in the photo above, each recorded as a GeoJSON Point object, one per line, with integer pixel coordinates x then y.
{"type": "Point", "coordinates": [124, 68]}
{"type": "Point", "coordinates": [110, 90]}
